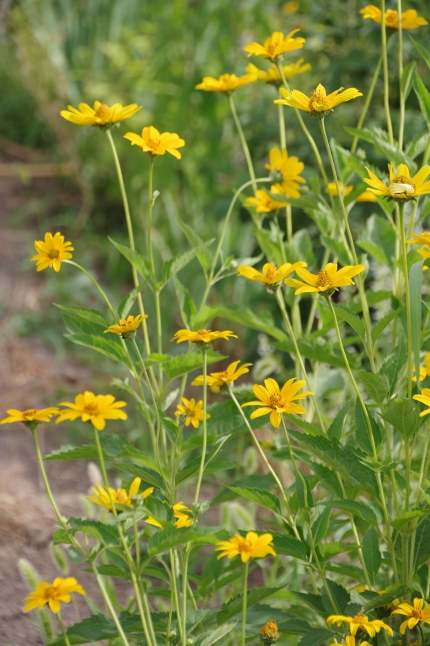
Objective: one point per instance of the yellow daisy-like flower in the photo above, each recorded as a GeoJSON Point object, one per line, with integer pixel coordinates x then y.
{"type": "Point", "coordinates": [30, 416]}
{"type": "Point", "coordinates": [425, 369]}
{"type": "Point", "coordinates": [202, 336]}
{"type": "Point", "coordinates": [360, 622]}
{"type": "Point", "coordinates": [286, 173]}
{"type": "Point", "coordinates": [424, 239]}
{"type": "Point", "coordinates": [270, 275]}
{"type": "Point", "coordinates": [327, 280]}
{"type": "Point", "coordinates": [225, 83]}
{"type": "Point", "coordinates": [319, 103]}
{"type": "Point", "coordinates": [276, 45]}
{"type": "Point", "coordinates": [53, 594]}
{"type": "Point", "coordinates": [156, 143]}
{"type": "Point", "coordinates": [273, 76]}
{"type": "Point", "coordinates": [192, 410]}
{"type": "Point", "coordinates": [52, 251]}
{"type": "Point", "coordinates": [331, 189]}
{"type": "Point", "coordinates": [290, 8]}
{"type": "Point", "coordinates": [101, 115]}
{"type": "Point", "coordinates": [416, 613]}
{"type": "Point", "coordinates": [269, 633]}
{"type": "Point", "coordinates": [275, 401]}
{"type": "Point", "coordinates": [410, 18]}
{"type": "Point", "coordinates": [252, 546]}
{"type": "Point", "coordinates": [424, 398]}
{"type": "Point", "coordinates": [402, 187]}
{"type": "Point", "coordinates": [92, 408]}
{"type": "Point", "coordinates": [350, 641]}
{"type": "Point", "coordinates": [218, 380]}
{"type": "Point", "coordinates": [181, 513]}
{"type": "Point", "coordinates": [264, 203]}
{"type": "Point", "coordinates": [105, 498]}
{"type": "Point", "coordinates": [128, 326]}
{"type": "Point", "coordinates": [367, 196]}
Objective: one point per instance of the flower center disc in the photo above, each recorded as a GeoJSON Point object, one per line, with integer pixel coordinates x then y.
{"type": "Point", "coordinates": [203, 333]}
{"type": "Point", "coordinates": [270, 273]}
{"type": "Point", "coordinates": [53, 254]}
{"type": "Point", "coordinates": [121, 496]}
{"type": "Point", "coordinates": [360, 618]}
{"type": "Point", "coordinates": [391, 18]}
{"type": "Point", "coordinates": [91, 409]}
{"type": "Point", "coordinates": [244, 546]}
{"type": "Point", "coordinates": [153, 143]}
{"type": "Point", "coordinates": [324, 280]}
{"type": "Point", "coordinates": [276, 401]}
{"type": "Point", "coordinates": [417, 614]}
{"type": "Point", "coordinates": [50, 592]}
{"type": "Point", "coordinates": [102, 112]}
{"type": "Point", "coordinates": [318, 102]}
{"type": "Point", "coordinates": [29, 414]}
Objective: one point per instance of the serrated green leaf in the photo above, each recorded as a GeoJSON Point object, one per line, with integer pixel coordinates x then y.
{"type": "Point", "coordinates": [320, 526]}
{"type": "Point", "coordinates": [404, 415]}
{"type": "Point", "coordinates": [233, 607]}
{"type": "Point", "coordinates": [378, 239]}
{"type": "Point", "coordinates": [90, 315]}
{"type": "Point", "coordinates": [263, 498]}
{"type": "Point", "coordinates": [208, 638]}
{"type": "Point", "coordinates": [334, 431]}
{"type": "Point", "coordinates": [387, 598]}
{"type": "Point", "coordinates": [171, 267]}
{"type": "Point", "coordinates": [336, 248]}
{"type": "Point", "coordinates": [111, 349]}
{"type": "Point", "coordinates": [393, 365]}
{"type": "Point", "coordinates": [340, 596]}
{"type": "Point", "coordinates": [186, 362]}
{"type": "Point", "coordinates": [106, 534]}
{"type": "Point", "coordinates": [422, 50]}
{"type": "Point", "coordinates": [405, 518]}
{"type": "Point", "coordinates": [316, 637]}
{"type": "Point", "coordinates": [192, 468]}
{"type": "Point", "coordinates": [242, 315]}
{"type": "Point", "coordinates": [69, 452]}
{"type": "Point", "coordinates": [289, 546]}
{"type": "Point", "coordinates": [147, 475]}
{"type": "Point", "coordinates": [371, 554]}
{"type": "Point", "coordinates": [407, 80]}
{"type": "Point", "coordinates": [380, 140]}
{"type": "Point", "coordinates": [376, 385]}
{"type": "Point", "coordinates": [415, 282]}
{"type": "Point", "coordinates": [328, 550]}
{"type": "Point", "coordinates": [318, 350]}
{"type": "Point", "coordinates": [351, 507]}
{"type": "Point", "coordinates": [352, 319]}
{"type": "Point", "coordinates": [186, 303]}
{"type": "Point", "coordinates": [304, 493]}
{"type": "Point", "coordinates": [125, 306]}
{"type": "Point", "coordinates": [203, 255]}
{"type": "Point", "coordinates": [362, 430]}
{"type": "Point", "coordinates": [171, 537]}
{"type": "Point", "coordinates": [139, 262]}
{"type": "Point", "coordinates": [382, 324]}
{"type": "Point", "coordinates": [423, 97]}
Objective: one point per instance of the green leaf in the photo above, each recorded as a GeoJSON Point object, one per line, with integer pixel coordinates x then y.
{"type": "Point", "coordinates": [186, 362]}
{"type": "Point", "coordinates": [416, 147]}
{"type": "Point", "coordinates": [335, 429]}
{"type": "Point", "coordinates": [362, 429]}
{"type": "Point", "coordinates": [387, 598]}
{"type": "Point", "coordinates": [386, 320]}
{"type": "Point", "coordinates": [208, 638]}
{"type": "Point", "coordinates": [106, 534]}
{"type": "Point", "coordinates": [225, 419]}
{"type": "Point", "coordinates": [340, 596]}
{"type": "Point", "coordinates": [326, 476]}
{"type": "Point", "coordinates": [407, 81]}
{"type": "Point", "coordinates": [379, 240]}
{"type": "Point", "coordinates": [289, 546]}
{"type": "Point", "coordinates": [192, 468]}
{"type": "Point", "coordinates": [422, 543]}
{"type": "Point", "coordinates": [376, 385]}
{"type": "Point", "coordinates": [328, 550]}
{"type": "Point", "coordinates": [128, 302]}
{"type": "Point", "coordinates": [318, 350]}
{"type": "Point", "coordinates": [233, 607]}
{"type": "Point", "coordinates": [111, 570]}
{"type": "Point", "coordinates": [316, 636]}
{"type": "Point", "coordinates": [337, 249]}
{"type": "Point", "coordinates": [423, 97]}
{"type": "Point", "coordinates": [415, 281]}
{"type": "Point", "coordinates": [422, 50]}
{"type": "Point", "coordinates": [405, 518]}
{"type": "Point", "coordinates": [320, 526]}
{"type": "Point", "coordinates": [186, 303]}
{"type": "Point", "coordinates": [352, 319]}
{"type": "Point", "coordinates": [263, 498]}
{"type": "Point", "coordinates": [148, 475]}
{"type": "Point", "coordinates": [90, 315]}
{"type": "Point", "coordinates": [69, 452]}
{"type": "Point", "coordinates": [380, 141]}
{"type": "Point", "coordinates": [351, 507]}
{"type": "Point", "coordinates": [109, 348]}
{"type": "Point", "coordinates": [171, 267]}
{"type": "Point", "coordinates": [203, 255]}
{"type": "Point", "coordinates": [371, 554]}
{"type": "Point", "coordinates": [171, 537]}
{"type": "Point", "coordinates": [304, 493]}
{"type": "Point", "coordinates": [139, 262]}
{"type": "Point", "coordinates": [393, 365]}
{"type": "Point", "coordinates": [404, 415]}
{"type": "Point", "coordinates": [312, 600]}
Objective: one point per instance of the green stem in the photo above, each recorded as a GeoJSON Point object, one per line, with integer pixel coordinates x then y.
{"type": "Point", "coordinates": [63, 630]}
{"type": "Point", "coordinates": [95, 283]}
{"type": "Point", "coordinates": [175, 593]}
{"type": "Point", "coordinates": [109, 604]}
{"type": "Point", "coordinates": [280, 300]}
{"type": "Point", "coordinates": [244, 600]}
{"type": "Point", "coordinates": [420, 628]}
{"type": "Point", "coordinates": [386, 79]}
{"type": "Point", "coordinates": [205, 430]}
{"type": "Point", "coordinates": [282, 134]}
{"type": "Point", "coordinates": [184, 596]}
{"type": "Point", "coordinates": [407, 294]}
{"type": "Point", "coordinates": [45, 479]}
{"type": "Point", "coordinates": [367, 103]}
{"type": "Point", "coordinates": [130, 235]}
{"type": "Point", "coordinates": [401, 94]}
{"type": "Point", "coordinates": [244, 145]}
{"type": "Point", "coordinates": [360, 285]}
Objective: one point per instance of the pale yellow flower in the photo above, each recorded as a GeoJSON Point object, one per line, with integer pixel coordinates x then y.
{"type": "Point", "coordinates": [156, 143]}
{"type": "Point", "coordinates": [225, 83]}
{"type": "Point", "coordinates": [252, 546]}
{"type": "Point", "coordinates": [276, 45]}
{"type": "Point", "coordinates": [319, 103]}
{"type": "Point", "coordinates": [410, 18]}
{"type": "Point", "coordinates": [101, 115]}
{"type": "Point", "coordinates": [51, 251]}
{"type": "Point", "coordinates": [53, 594]}
{"type": "Point", "coordinates": [275, 401]}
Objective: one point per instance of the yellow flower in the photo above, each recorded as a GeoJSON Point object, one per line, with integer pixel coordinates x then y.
{"type": "Point", "coordinates": [119, 496]}
{"type": "Point", "coordinates": [350, 640]}
{"type": "Point", "coordinates": [52, 251]}
{"type": "Point", "coordinates": [402, 186]}
{"type": "Point", "coordinates": [52, 594]}
{"type": "Point", "coordinates": [225, 83]}
{"type": "Point", "coordinates": [286, 173]}
{"type": "Point", "coordinates": [180, 512]}
{"type": "Point", "coordinates": [276, 401]}
{"type": "Point", "coordinates": [30, 416]}
{"type": "Point", "coordinates": [101, 115]}
{"type": "Point", "coordinates": [327, 280]}
{"type": "Point", "coordinates": [217, 380]}
{"type": "Point", "coordinates": [93, 408]}
{"type": "Point", "coordinates": [251, 547]}
{"type": "Point", "coordinates": [367, 196]}
{"type": "Point", "coordinates": [416, 613]}
{"type": "Point", "coordinates": [410, 18]}
{"type": "Point", "coordinates": [360, 622]}
{"type": "Point", "coordinates": [156, 143]}
{"type": "Point", "coordinates": [193, 411]}
{"type": "Point", "coordinates": [202, 336]}
{"type": "Point", "coordinates": [318, 104]}
{"type": "Point", "coordinates": [424, 239]}
{"type": "Point", "coordinates": [127, 326]}
{"type": "Point", "coordinates": [264, 203]}
{"type": "Point", "coordinates": [273, 75]}
{"type": "Point", "coordinates": [332, 190]}
{"type": "Point", "coordinates": [290, 8]}
{"type": "Point", "coordinates": [269, 633]}
{"type": "Point", "coordinates": [276, 45]}
{"type": "Point", "coordinates": [424, 398]}
{"type": "Point", "coordinates": [270, 275]}
{"type": "Point", "coordinates": [425, 369]}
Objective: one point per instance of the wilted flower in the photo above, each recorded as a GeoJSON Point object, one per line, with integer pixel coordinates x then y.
{"type": "Point", "coordinates": [269, 633]}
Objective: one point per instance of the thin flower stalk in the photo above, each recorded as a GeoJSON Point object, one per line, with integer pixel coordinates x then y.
{"type": "Point", "coordinates": [63, 630]}
{"type": "Point", "coordinates": [369, 95]}
{"type": "Point", "coordinates": [401, 93]}
{"type": "Point", "coordinates": [425, 464]}
{"type": "Point", "coordinates": [244, 602]}
{"type": "Point", "coordinates": [360, 285]}
{"type": "Point", "coordinates": [386, 79]}
{"type": "Point", "coordinates": [130, 234]}
{"type": "Point", "coordinates": [205, 430]}
{"type": "Point", "coordinates": [283, 141]}
{"type": "Point", "coordinates": [404, 252]}
{"type": "Point", "coordinates": [245, 147]}
{"type": "Point", "coordinates": [96, 285]}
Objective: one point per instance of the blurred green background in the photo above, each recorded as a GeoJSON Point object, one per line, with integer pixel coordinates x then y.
{"type": "Point", "coordinates": [55, 52]}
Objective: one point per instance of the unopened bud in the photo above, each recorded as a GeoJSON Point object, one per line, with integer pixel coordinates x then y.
{"type": "Point", "coordinates": [269, 633]}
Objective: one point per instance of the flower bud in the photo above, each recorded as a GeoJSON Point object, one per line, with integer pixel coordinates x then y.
{"type": "Point", "coordinates": [269, 633]}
